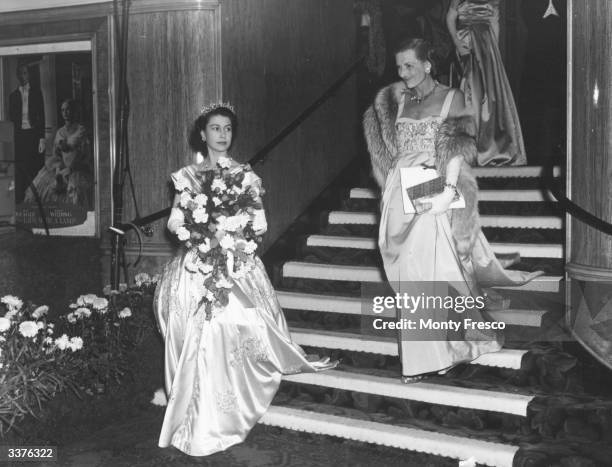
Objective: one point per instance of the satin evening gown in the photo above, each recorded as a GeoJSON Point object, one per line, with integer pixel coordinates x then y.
{"type": "Point", "coordinates": [220, 374]}
{"type": "Point", "coordinates": [486, 87]}
{"type": "Point", "coordinates": [418, 251]}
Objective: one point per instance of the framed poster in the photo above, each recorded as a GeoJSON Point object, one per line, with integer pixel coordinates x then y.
{"type": "Point", "coordinates": [47, 101]}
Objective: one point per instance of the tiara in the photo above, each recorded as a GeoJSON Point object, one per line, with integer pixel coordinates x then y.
{"type": "Point", "coordinates": [217, 105]}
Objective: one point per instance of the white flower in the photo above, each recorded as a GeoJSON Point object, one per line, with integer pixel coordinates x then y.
{"type": "Point", "coordinates": [28, 329]}
{"type": "Point", "coordinates": [62, 342]}
{"type": "Point", "coordinates": [216, 201]}
{"type": "Point", "coordinates": [5, 324]}
{"type": "Point", "coordinates": [183, 234]}
{"type": "Point", "coordinates": [48, 340]}
{"type": "Point", "coordinates": [259, 220]}
{"type": "Point", "coordinates": [184, 199]}
{"type": "Point", "coordinates": [142, 278]}
{"type": "Point", "coordinates": [205, 268]}
{"type": "Point", "coordinates": [232, 223]}
{"type": "Point", "coordinates": [238, 189]}
{"type": "Point", "coordinates": [49, 331]}
{"type": "Point", "coordinates": [40, 324]}
{"type": "Point", "coordinates": [210, 296]}
{"type": "Point", "coordinates": [100, 303]}
{"type": "Point", "coordinates": [224, 283]}
{"type": "Point", "coordinates": [123, 287]}
{"type": "Point", "coordinates": [40, 311]}
{"type": "Point", "coordinates": [224, 162]}
{"type": "Point", "coordinates": [155, 279]}
{"type": "Point", "coordinates": [12, 302]}
{"type": "Point", "coordinates": [125, 313]}
{"type": "Point", "coordinates": [227, 242]}
{"type": "Point", "coordinates": [81, 313]}
{"type": "Point", "coordinates": [218, 184]}
{"type": "Point", "coordinates": [204, 247]}
{"type": "Point", "coordinates": [89, 298]}
{"type": "Point", "coordinates": [180, 184]}
{"type": "Point", "coordinates": [76, 343]}
{"type": "Point", "coordinates": [11, 313]}
{"type": "Point", "coordinates": [159, 398]}
{"type": "Point", "coordinates": [71, 318]}
{"type": "Point", "coordinates": [250, 247]}
{"type": "Point", "coordinates": [201, 200]}
{"type": "Point", "coordinates": [200, 216]}
{"type": "Point", "coordinates": [73, 306]}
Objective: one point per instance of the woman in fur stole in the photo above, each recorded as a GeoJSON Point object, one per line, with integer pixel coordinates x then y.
{"type": "Point", "coordinates": [438, 251]}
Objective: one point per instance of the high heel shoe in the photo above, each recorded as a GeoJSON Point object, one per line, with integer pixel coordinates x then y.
{"type": "Point", "coordinates": [412, 379]}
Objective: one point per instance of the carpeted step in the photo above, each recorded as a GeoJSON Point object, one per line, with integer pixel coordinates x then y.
{"type": "Point", "coordinates": [505, 358]}
{"type": "Point", "coordinates": [526, 250]}
{"type": "Point", "coordinates": [354, 306]}
{"type": "Point", "coordinates": [523, 222]}
{"type": "Point", "coordinates": [322, 422]}
{"type": "Point", "coordinates": [342, 272]}
{"type": "Point", "coordinates": [513, 196]}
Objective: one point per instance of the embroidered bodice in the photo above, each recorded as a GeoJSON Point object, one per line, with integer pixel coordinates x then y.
{"type": "Point", "coordinates": [417, 135]}
{"type": "Point", "coordinates": [477, 11]}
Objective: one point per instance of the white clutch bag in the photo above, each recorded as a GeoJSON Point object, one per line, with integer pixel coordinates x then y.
{"type": "Point", "coordinates": [422, 182]}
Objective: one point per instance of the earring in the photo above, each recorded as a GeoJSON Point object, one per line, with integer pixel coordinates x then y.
{"type": "Point", "coordinates": [428, 70]}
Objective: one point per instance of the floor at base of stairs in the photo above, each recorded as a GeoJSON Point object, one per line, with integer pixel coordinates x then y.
{"type": "Point", "coordinates": [134, 444]}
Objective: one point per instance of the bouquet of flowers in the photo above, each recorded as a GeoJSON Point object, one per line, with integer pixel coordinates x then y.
{"type": "Point", "coordinates": [221, 226]}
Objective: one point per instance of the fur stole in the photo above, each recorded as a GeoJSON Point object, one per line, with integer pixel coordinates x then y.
{"type": "Point", "coordinates": [456, 136]}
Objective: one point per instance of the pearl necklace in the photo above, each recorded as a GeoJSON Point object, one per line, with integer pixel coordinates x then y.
{"type": "Point", "coordinates": [414, 97]}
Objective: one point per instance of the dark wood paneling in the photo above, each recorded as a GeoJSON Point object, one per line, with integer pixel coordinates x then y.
{"type": "Point", "coordinates": [278, 57]}
{"type": "Point", "coordinates": [172, 73]}
{"type": "Point", "coordinates": [591, 151]}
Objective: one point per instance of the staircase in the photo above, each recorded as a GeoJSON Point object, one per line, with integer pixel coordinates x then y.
{"type": "Point", "coordinates": [524, 405]}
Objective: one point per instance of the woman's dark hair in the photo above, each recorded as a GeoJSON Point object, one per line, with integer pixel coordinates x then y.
{"type": "Point", "coordinates": [195, 138]}
{"type": "Point", "coordinates": [423, 50]}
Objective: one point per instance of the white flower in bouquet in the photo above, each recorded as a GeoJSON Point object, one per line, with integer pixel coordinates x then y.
{"type": "Point", "coordinates": [28, 329]}
{"type": "Point", "coordinates": [123, 287]}
{"type": "Point", "coordinates": [159, 398]}
{"type": "Point", "coordinates": [223, 283]}
{"type": "Point", "coordinates": [233, 223]}
{"type": "Point", "coordinates": [82, 313]}
{"type": "Point", "coordinates": [5, 324]}
{"type": "Point", "coordinates": [73, 306]}
{"type": "Point", "coordinates": [40, 311]}
{"type": "Point", "coordinates": [183, 234]}
{"type": "Point", "coordinates": [210, 296]}
{"type": "Point", "coordinates": [259, 220]}
{"type": "Point", "coordinates": [62, 342]}
{"type": "Point", "coordinates": [76, 343]}
{"type": "Point", "coordinates": [142, 278]}
{"type": "Point", "coordinates": [125, 313]}
{"type": "Point", "coordinates": [155, 279]}
{"type": "Point", "coordinates": [216, 201]}
{"type": "Point", "coordinates": [71, 317]}
{"type": "Point", "coordinates": [238, 189]}
{"type": "Point", "coordinates": [184, 199]}
{"type": "Point", "coordinates": [40, 324]}
{"type": "Point", "coordinates": [201, 200]}
{"type": "Point", "coordinates": [100, 304]}
{"type": "Point", "coordinates": [250, 247]}
{"type": "Point", "coordinates": [12, 302]}
{"type": "Point", "coordinates": [48, 340]}
{"type": "Point", "coordinates": [227, 242]}
{"type": "Point", "coordinates": [218, 184]}
{"type": "Point", "coordinates": [224, 162]}
{"type": "Point", "coordinates": [49, 330]}
{"type": "Point", "coordinates": [204, 247]}
{"type": "Point", "coordinates": [200, 216]}
{"type": "Point", "coordinates": [205, 268]}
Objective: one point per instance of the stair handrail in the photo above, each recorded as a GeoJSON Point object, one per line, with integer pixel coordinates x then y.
{"type": "Point", "coordinates": [259, 157]}
{"type": "Point", "coordinates": [568, 206]}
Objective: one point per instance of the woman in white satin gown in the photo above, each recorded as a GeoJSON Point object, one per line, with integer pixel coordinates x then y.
{"type": "Point", "coordinates": [220, 374]}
